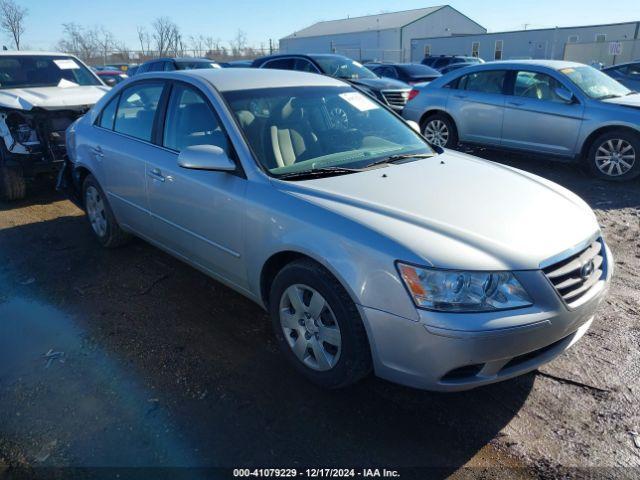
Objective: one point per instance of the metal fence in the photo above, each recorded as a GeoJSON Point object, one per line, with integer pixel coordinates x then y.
{"type": "Point", "coordinates": [607, 53]}
{"type": "Point", "coordinates": [96, 58]}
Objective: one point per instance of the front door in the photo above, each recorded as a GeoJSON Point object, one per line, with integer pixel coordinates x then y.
{"type": "Point", "coordinates": [537, 119]}
{"type": "Point", "coordinates": [197, 214]}
{"type": "Point", "coordinates": [123, 144]}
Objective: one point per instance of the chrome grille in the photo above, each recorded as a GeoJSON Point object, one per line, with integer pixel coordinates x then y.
{"type": "Point", "coordinates": [396, 98]}
{"type": "Point", "coordinates": [573, 277]}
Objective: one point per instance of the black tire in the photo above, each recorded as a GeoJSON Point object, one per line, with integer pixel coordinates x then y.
{"type": "Point", "coordinates": [452, 132]}
{"type": "Point", "coordinates": [354, 362]}
{"type": "Point", "coordinates": [630, 146]}
{"type": "Point", "coordinates": [12, 184]}
{"type": "Point", "coordinates": [112, 236]}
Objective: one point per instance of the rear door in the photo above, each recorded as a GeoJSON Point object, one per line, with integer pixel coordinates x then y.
{"type": "Point", "coordinates": [197, 214]}
{"type": "Point", "coordinates": [476, 104]}
{"type": "Point", "coordinates": [124, 134]}
{"type": "Point", "coordinates": [537, 119]}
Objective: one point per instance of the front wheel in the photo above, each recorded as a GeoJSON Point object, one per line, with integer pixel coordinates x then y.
{"type": "Point", "coordinates": [615, 156]}
{"type": "Point", "coordinates": [440, 131]}
{"type": "Point", "coordinates": [317, 326]}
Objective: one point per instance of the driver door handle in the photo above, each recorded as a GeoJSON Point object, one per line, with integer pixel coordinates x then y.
{"type": "Point", "coordinates": [97, 152]}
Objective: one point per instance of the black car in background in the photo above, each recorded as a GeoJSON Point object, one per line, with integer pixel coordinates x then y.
{"type": "Point", "coordinates": [236, 64]}
{"type": "Point", "coordinates": [171, 64]}
{"type": "Point", "coordinates": [442, 61]}
{"type": "Point", "coordinates": [410, 73]}
{"type": "Point", "coordinates": [393, 93]}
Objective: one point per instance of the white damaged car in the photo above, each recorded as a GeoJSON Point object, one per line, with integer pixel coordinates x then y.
{"type": "Point", "coordinates": [41, 94]}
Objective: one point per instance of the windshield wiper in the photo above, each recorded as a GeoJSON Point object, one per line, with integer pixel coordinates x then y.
{"type": "Point", "coordinates": [318, 172]}
{"type": "Point", "coordinates": [607, 97]}
{"type": "Point", "coordinates": [397, 158]}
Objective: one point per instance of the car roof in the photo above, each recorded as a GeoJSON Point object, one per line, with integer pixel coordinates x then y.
{"type": "Point", "coordinates": [624, 64]}
{"type": "Point", "coordinates": [31, 53]}
{"type": "Point", "coordinates": [553, 64]}
{"type": "Point", "coordinates": [229, 79]}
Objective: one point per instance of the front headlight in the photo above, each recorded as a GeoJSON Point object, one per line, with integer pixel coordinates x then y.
{"type": "Point", "coordinates": [457, 291]}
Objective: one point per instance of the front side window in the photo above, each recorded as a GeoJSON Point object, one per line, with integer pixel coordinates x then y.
{"type": "Point", "coordinates": [303, 65]}
{"type": "Point", "coordinates": [486, 81]}
{"type": "Point", "coordinates": [23, 71]}
{"type": "Point", "coordinates": [191, 121]}
{"type": "Point", "coordinates": [595, 83]}
{"type": "Point", "coordinates": [537, 85]}
{"type": "Point", "coordinates": [137, 109]}
{"type": "Point", "coordinates": [293, 130]}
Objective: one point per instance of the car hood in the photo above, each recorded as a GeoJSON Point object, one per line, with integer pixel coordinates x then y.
{"type": "Point", "coordinates": [457, 211]}
{"type": "Point", "coordinates": [51, 98]}
{"type": "Point", "coordinates": [632, 100]}
{"type": "Point", "coordinates": [381, 83]}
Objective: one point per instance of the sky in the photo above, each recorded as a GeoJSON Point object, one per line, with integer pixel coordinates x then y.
{"type": "Point", "coordinates": [262, 20]}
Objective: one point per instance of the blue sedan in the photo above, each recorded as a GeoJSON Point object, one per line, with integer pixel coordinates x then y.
{"type": "Point", "coordinates": [564, 110]}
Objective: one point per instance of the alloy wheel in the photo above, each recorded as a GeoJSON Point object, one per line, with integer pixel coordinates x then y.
{"type": "Point", "coordinates": [96, 211]}
{"type": "Point", "coordinates": [310, 327]}
{"type": "Point", "coordinates": [437, 133]}
{"type": "Point", "coordinates": [615, 157]}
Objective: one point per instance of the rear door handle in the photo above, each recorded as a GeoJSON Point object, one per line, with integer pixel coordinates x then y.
{"type": "Point", "coordinates": [515, 104]}
{"type": "Point", "coordinates": [156, 174]}
{"type": "Point", "coordinates": [459, 96]}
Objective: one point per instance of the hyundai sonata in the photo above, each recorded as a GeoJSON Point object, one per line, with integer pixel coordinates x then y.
{"type": "Point", "coordinates": [370, 249]}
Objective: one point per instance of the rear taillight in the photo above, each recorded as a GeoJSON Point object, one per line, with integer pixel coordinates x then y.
{"type": "Point", "coordinates": [413, 94]}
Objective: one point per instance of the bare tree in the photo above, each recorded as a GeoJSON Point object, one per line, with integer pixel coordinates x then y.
{"type": "Point", "coordinates": [238, 44]}
{"type": "Point", "coordinates": [106, 41]}
{"type": "Point", "coordinates": [12, 18]}
{"type": "Point", "coordinates": [164, 31]}
{"type": "Point", "coordinates": [145, 41]}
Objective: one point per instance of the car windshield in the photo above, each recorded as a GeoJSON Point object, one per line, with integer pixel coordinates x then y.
{"type": "Point", "coordinates": [594, 83]}
{"type": "Point", "coordinates": [343, 67]}
{"type": "Point", "coordinates": [294, 130]}
{"type": "Point", "coordinates": [22, 71]}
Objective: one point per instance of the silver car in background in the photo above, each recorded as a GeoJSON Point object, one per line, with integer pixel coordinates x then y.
{"type": "Point", "coordinates": [564, 110]}
{"type": "Point", "coordinates": [370, 249]}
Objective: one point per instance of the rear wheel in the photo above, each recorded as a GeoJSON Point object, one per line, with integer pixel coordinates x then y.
{"type": "Point", "coordinates": [317, 325]}
{"type": "Point", "coordinates": [615, 156]}
{"type": "Point", "coordinates": [103, 222]}
{"type": "Point", "coordinates": [440, 131]}
{"type": "Point", "coordinates": [12, 184]}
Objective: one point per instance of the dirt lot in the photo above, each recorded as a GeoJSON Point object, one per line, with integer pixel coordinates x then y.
{"type": "Point", "coordinates": [130, 358]}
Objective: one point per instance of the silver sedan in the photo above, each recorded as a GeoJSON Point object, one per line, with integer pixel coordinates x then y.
{"type": "Point", "coordinates": [563, 110]}
{"type": "Point", "coordinates": [370, 249]}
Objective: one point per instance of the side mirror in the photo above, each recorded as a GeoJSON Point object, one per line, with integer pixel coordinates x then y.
{"type": "Point", "coordinates": [206, 157]}
{"type": "Point", "coordinates": [414, 125]}
{"type": "Point", "coordinates": [110, 81]}
{"type": "Point", "coordinates": [564, 95]}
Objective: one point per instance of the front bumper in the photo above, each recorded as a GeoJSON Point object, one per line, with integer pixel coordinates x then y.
{"type": "Point", "coordinates": [452, 352]}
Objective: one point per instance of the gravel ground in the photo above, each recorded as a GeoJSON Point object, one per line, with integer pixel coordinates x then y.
{"type": "Point", "coordinates": [130, 358]}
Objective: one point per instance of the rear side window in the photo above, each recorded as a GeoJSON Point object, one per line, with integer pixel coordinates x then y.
{"type": "Point", "coordinates": [487, 81]}
{"type": "Point", "coordinates": [280, 64]}
{"type": "Point", "coordinates": [137, 109]}
{"type": "Point", "coordinates": [191, 121]}
{"type": "Point", "coordinates": [108, 114]}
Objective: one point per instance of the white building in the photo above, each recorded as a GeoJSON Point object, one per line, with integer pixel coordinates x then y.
{"type": "Point", "coordinates": [585, 44]}
{"type": "Point", "coordinates": [387, 36]}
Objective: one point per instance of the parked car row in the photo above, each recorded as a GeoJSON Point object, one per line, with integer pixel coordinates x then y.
{"type": "Point", "coordinates": [371, 249]}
